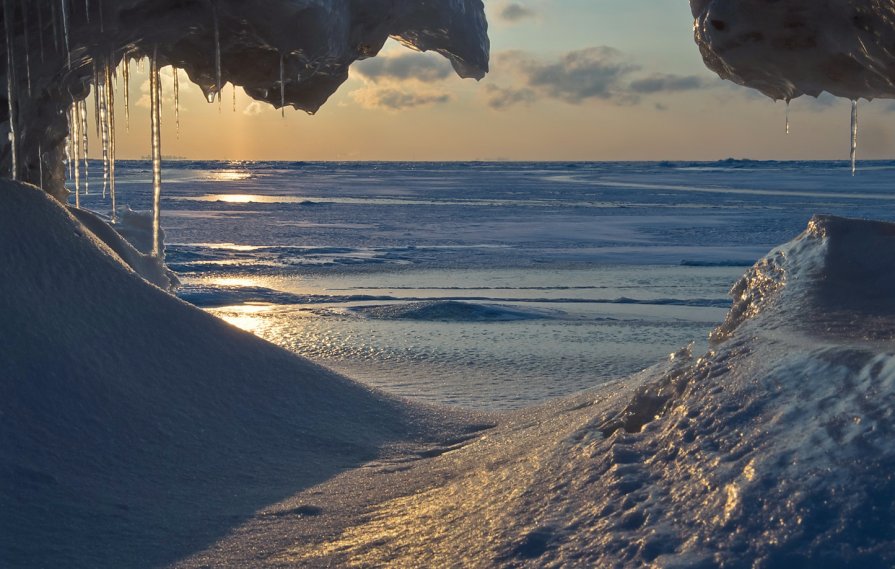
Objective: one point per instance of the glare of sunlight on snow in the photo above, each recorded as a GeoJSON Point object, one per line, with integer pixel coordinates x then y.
{"type": "Point", "coordinates": [228, 176]}
{"type": "Point", "coordinates": [235, 198]}
{"type": "Point", "coordinates": [245, 317]}
{"type": "Point", "coordinates": [233, 281]}
{"type": "Point", "coordinates": [230, 247]}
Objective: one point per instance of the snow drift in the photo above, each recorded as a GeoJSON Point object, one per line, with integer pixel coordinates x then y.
{"type": "Point", "coordinates": [773, 450]}
{"type": "Point", "coordinates": [791, 48]}
{"type": "Point", "coordinates": [136, 429]}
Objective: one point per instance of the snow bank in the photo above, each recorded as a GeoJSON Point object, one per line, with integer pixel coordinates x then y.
{"type": "Point", "coordinates": [131, 240]}
{"type": "Point", "coordinates": [800, 47]}
{"type": "Point", "coordinates": [135, 429]}
{"type": "Point", "coordinates": [773, 450]}
{"type": "Point", "coordinates": [138, 431]}
{"type": "Point", "coordinates": [447, 311]}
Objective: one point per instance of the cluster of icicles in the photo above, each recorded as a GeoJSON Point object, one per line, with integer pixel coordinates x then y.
{"type": "Point", "coordinates": [854, 132]}
{"type": "Point", "coordinates": [76, 149]}
{"type": "Point", "coordinates": [105, 78]}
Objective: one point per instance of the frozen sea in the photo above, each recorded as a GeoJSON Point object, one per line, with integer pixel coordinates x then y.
{"type": "Point", "coordinates": [483, 285]}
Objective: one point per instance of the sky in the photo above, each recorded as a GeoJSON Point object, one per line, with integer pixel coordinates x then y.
{"type": "Point", "coordinates": [570, 80]}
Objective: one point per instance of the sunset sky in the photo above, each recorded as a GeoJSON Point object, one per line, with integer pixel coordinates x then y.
{"type": "Point", "coordinates": [570, 80]}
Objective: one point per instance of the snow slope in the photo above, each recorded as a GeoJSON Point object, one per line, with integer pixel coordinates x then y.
{"type": "Point", "coordinates": [772, 450]}
{"type": "Point", "coordinates": [136, 429]}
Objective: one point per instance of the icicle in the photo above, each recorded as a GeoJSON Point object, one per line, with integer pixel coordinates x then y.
{"type": "Point", "coordinates": [96, 98]}
{"type": "Point", "coordinates": [854, 134]}
{"type": "Point", "coordinates": [104, 127]}
{"type": "Point", "coordinates": [87, 10]}
{"type": "Point", "coordinates": [11, 91]}
{"type": "Point", "coordinates": [217, 53]}
{"type": "Point", "coordinates": [40, 165]}
{"type": "Point", "coordinates": [75, 137]}
{"type": "Point", "coordinates": [787, 116]}
{"type": "Point", "coordinates": [65, 30]}
{"type": "Point", "coordinates": [283, 85]}
{"type": "Point", "coordinates": [155, 120]}
{"type": "Point", "coordinates": [82, 111]}
{"type": "Point", "coordinates": [24, 6]}
{"type": "Point", "coordinates": [53, 19]}
{"type": "Point", "coordinates": [127, 110]}
{"type": "Point", "coordinates": [110, 130]}
{"type": "Point", "coordinates": [68, 156]}
{"type": "Point", "coordinates": [176, 101]}
{"type": "Point", "coordinates": [40, 26]}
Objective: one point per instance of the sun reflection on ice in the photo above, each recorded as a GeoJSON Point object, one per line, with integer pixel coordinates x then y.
{"type": "Point", "coordinates": [247, 317]}
{"type": "Point", "coordinates": [228, 176]}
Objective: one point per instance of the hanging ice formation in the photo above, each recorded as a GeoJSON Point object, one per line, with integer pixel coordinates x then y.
{"type": "Point", "coordinates": [85, 148]}
{"type": "Point", "coordinates": [75, 150]}
{"type": "Point", "coordinates": [155, 120]}
{"type": "Point", "coordinates": [787, 116]}
{"type": "Point", "coordinates": [854, 134]}
{"type": "Point", "coordinates": [217, 54]}
{"type": "Point", "coordinates": [40, 32]}
{"type": "Point", "coordinates": [65, 30]}
{"type": "Point", "coordinates": [109, 97]}
{"type": "Point", "coordinates": [799, 47]}
{"type": "Point", "coordinates": [127, 110]}
{"type": "Point", "coordinates": [176, 102]}
{"type": "Point", "coordinates": [11, 90]}
{"type": "Point", "coordinates": [54, 49]}
{"type": "Point", "coordinates": [103, 123]}
{"type": "Point", "coordinates": [283, 85]}
{"type": "Point", "coordinates": [24, 7]}
{"type": "Point", "coordinates": [40, 165]}
{"type": "Point", "coordinates": [55, 28]}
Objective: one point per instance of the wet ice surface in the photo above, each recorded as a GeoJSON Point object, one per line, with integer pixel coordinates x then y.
{"type": "Point", "coordinates": [484, 285]}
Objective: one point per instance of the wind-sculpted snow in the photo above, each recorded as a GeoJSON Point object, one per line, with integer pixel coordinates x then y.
{"type": "Point", "coordinates": [137, 431]}
{"type": "Point", "coordinates": [285, 52]}
{"type": "Point", "coordinates": [448, 311]}
{"type": "Point", "coordinates": [800, 47]}
{"type": "Point", "coordinates": [772, 450]}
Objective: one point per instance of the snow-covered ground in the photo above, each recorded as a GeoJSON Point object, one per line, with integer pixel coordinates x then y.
{"type": "Point", "coordinates": [484, 285]}
{"type": "Point", "coordinates": [139, 431]}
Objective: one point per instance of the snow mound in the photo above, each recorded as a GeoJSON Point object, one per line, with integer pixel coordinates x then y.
{"type": "Point", "coordinates": [128, 240]}
{"type": "Point", "coordinates": [798, 47]}
{"type": "Point", "coordinates": [773, 450]}
{"type": "Point", "coordinates": [446, 311]}
{"type": "Point", "coordinates": [136, 429]}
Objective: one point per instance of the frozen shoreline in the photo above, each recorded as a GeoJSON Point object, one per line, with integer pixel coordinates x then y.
{"type": "Point", "coordinates": [130, 432]}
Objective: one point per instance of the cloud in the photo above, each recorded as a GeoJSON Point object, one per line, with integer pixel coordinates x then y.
{"type": "Point", "coordinates": [665, 83]}
{"type": "Point", "coordinates": [514, 12]}
{"type": "Point", "coordinates": [396, 99]}
{"type": "Point", "coordinates": [595, 73]}
{"type": "Point", "coordinates": [425, 68]}
{"type": "Point", "coordinates": [591, 73]}
{"type": "Point", "coordinates": [501, 98]}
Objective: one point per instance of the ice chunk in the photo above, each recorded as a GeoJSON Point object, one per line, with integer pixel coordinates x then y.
{"type": "Point", "coordinates": [800, 47]}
